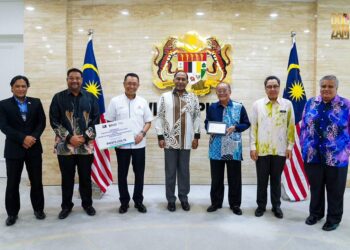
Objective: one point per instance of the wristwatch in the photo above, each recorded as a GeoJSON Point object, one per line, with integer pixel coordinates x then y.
{"type": "Point", "coordinates": [143, 133]}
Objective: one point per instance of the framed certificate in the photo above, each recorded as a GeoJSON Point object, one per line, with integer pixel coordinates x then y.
{"type": "Point", "coordinates": [114, 134]}
{"type": "Point", "coordinates": [217, 128]}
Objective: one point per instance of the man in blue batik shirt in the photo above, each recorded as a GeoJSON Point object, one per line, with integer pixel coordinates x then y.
{"type": "Point", "coordinates": [226, 149]}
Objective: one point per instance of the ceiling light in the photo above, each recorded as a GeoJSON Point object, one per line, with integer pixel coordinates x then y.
{"type": "Point", "coordinates": [200, 13]}
{"type": "Point", "coordinates": [38, 27]}
{"type": "Point", "coordinates": [125, 12]}
{"type": "Point", "coordinates": [273, 15]}
{"type": "Point", "coordinates": [30, 8]}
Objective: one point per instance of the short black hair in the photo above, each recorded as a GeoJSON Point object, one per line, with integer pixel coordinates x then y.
{"type": "Point", "coordinates": [180, 71]}
{"type": "Point", "coordinates": [74, 70]}
{"type": "Point", "coordinates": [19, 77]}
{"type": "Point", "coordinates": [131, 75]}
{"type": "Point", "coordinates": [272, 78]}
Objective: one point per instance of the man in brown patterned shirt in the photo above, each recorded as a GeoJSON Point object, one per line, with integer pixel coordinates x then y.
{"type": "Point", "coordinates": [73, 116]}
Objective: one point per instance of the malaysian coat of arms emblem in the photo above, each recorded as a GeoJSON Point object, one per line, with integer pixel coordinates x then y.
{"type": "Point", "coordinates": [206, 62]}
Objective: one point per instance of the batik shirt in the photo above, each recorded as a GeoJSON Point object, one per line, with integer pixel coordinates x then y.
{"type": "Point", "coordinates": [229, 146]}
{"type": "Point", "coordinates": [178, 119]}
{"type": "Point", "coordinates": [272, 127]}
{"type": "Point", "coordinates": [74, 115]}
{"type": "Point", "coordinates": [325, 132]}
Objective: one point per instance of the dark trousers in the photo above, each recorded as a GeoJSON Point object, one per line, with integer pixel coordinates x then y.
{"type": "Point", "coordinates": [67, 166]}
{"type": "Point", "coordinates": [269, 166]}
{"type": "Point", "coordinates": [138, 165]}
{"type": "Point", "coordinates": [234, 179]}
{"type": "Point", "coordinates": [322, 177]}
{"type": "Point", "coordinates": [14, 168]}
{"type": "Point", "coordinates": [177, 164]}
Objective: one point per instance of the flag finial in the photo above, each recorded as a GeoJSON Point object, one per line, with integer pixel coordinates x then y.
{"type": "Point", "coordinates": [90, 33]}
{"type": "Point", "coordinates": [293, 35]}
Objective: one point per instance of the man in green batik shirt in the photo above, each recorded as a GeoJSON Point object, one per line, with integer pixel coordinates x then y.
{"type": "Point", "coordinates": [271, 142]}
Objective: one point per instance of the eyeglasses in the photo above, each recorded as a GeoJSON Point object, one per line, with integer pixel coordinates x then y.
{"type": "Point", "coordinates": [74, 78]}
{"type": "Point", "coordinates": [221, 92]}
{"type": "Point", "coordinates": [272, 86]}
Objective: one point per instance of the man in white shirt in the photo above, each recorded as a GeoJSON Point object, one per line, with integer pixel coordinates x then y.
{"type": "Point", "coordinates": [271, 142]}
{"type": "Point", "coordinates": [134, 107]}
{"type": "Point", "coordinates": [178, 130]}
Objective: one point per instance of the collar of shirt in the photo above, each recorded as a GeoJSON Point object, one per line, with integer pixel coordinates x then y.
{"type": "Point", "coordinates": [336, 99]}
{"type": "Point", "coordinates": [19, 102]}
{"type": "Point", "coordinates": [218, 104]}
{"type": "Point", "coordinates": [267, 100]}
{"type": "Point", "coordinates": [175, 91]}
{"type": "Point", "coordinates": [69, 92]}
{"type": "Point", "coordinates": [127, 98]}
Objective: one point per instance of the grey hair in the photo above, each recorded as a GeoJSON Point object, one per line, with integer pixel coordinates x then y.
{"type": "Point", "coordinates": [330, 78]}
{"type": "Point", "coordinates": [224, 83]}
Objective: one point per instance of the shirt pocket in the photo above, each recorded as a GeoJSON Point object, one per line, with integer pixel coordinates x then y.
{"type": "Point", "coordinates": [122, 113]}
{"type": "Point", "coordinates": [139, 111]}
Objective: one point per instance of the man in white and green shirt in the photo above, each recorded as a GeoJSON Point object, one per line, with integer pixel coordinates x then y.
{"type": "Point", "coordinates": [271, 142]}
{"type": "Point", "coordinates": [178, 130]}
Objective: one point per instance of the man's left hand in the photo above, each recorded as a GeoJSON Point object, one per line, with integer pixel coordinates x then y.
{"type": "Point", "coordinates": [289, 154]}
{"type": "Point", "coordinates": [195, 144]}
{"type": "Point", "coordinates": [138, 138]}
{"type": "Point", "coordinates": [230, 130]}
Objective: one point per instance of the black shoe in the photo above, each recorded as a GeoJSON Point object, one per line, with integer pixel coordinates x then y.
{"type": "Point", "coordinates": [259, 211]}
{"type": "Point", "coordinates": [90, 211]}
{"type": "Point", "coordinates": [11, 220]}
{"type": "Point", "coordinates": [277, 212]}
{"type": "Point", "coordinates": [171, 206]}
{"type": "Point", "coordinates": [40, 215]}
{"type": "Point", "coordinates": [64, 213]}
{"type": "Point", "coordinates": [185, 205]}
{"type": "Point", "coordinates": [213, 208]}
{"type": "Point", "coordinates": [236, 210]}
{"type": "Point", "coordinates": [330, 226]}
{"type": "Point", "coordinates": [140, 207]}
{"type": "Point", "coordinates": [123, 208]}
{"type": "Point", "coordinates": [311, 220]}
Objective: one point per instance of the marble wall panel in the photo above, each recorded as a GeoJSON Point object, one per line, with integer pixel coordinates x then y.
{"type": "Point", "coordinates": [125, 43]}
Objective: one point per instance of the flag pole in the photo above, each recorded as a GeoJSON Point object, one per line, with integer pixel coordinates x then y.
{"type": "Point", "coordinates": [96, 191]}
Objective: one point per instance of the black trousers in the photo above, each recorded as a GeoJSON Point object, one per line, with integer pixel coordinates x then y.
{"type": "Point", "coordinates": [14, 168]}
{"type": "Point", "coordinates": [234, 179]}
{"type": "Point", "coordinates": [138, 165]}
{"type": "Point", "coordinates": [67, 166]}
{"type": "Point", "coordinates": [269, 166]}
{"type": "Point", "coordinates": [322, 177]}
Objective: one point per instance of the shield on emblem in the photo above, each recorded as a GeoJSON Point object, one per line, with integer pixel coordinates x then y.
{"type": "Point", "coordinates": [194, 64]}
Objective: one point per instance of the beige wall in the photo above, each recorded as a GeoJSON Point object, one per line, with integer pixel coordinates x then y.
{"type": "Point", "coordinates": [261, 47]}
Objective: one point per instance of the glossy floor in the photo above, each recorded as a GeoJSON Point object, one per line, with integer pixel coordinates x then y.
{"type": "Point", "coordinates": [161, 229]}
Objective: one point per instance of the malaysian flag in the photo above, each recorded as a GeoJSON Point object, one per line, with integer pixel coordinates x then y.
{"type": "Point", "coordinates": [101, 172]}
{"type": "Point", "coordinates": [294, 180]}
